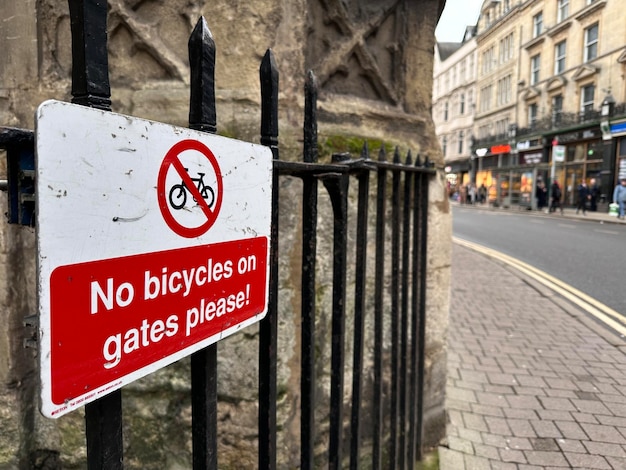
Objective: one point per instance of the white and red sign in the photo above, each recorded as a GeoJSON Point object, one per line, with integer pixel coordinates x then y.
{"type": "Point", "coordinates": [153, 242]}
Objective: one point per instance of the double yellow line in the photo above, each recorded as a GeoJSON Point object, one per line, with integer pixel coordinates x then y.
{"type": "Point", "coordinates": [605, 314]}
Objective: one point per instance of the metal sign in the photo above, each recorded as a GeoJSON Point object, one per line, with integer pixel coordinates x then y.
{"type": "Point", "coordinates": [153, 242]}
{"type": "Point", "coordinates": [558, 153]}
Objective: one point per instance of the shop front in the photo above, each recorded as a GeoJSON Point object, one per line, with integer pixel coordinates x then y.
{"type": "Point", "coordinates": [617, 145]}
{"type": "Point", "coordinates": [582, 161]}
{"type": "Point", "coordinates": [490, 162]}
{"type": "Point", "coordinates": [514, 174]}
{"type": "Point", "coordinates": [457, 175]}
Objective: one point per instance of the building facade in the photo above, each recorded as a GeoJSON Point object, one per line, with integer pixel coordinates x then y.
{"type": "Point", "coordinates": [454, 92]}
{"type": "Point", "coordinates": [551, 98]}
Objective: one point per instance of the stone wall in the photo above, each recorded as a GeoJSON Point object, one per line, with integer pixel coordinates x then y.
{"type": "Point", "coordinates": [373, 60]}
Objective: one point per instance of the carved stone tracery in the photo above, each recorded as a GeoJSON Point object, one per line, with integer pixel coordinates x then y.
{"type": "Point", "coordinates": [355, 47]}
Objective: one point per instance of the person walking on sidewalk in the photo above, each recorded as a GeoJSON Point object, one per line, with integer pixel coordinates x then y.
{"type": "Point", "coordinates": [541, 193]}
{"type": "Point", "coordinates": [583, 197]}
{"type": "Point", "coordinates": [619, 197]}
{"type": "Point", "coordinates": [594, 192]}
{"type": "Point", "coordinates": [555, 197]}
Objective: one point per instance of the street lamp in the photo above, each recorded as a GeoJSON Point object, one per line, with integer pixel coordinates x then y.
{"type": "Point", "coordinates": [607, 106]}
{"type": "Point", "coordinates": [606, 111]}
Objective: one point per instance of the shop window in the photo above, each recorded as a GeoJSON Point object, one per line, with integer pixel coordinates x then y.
{"type": "Point", "coordinates": [575, 152]}
{"type": "Point", "coordinates": [594, 150]}
{"type": "Point", "coordinates": [622, 147]}
{"type": "Point", "coordinates": [593, 169]}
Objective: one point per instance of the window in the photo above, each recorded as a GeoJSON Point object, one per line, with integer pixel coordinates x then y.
{"type": "Point", "coordinates": [445, 111]}
{"type": "Point", "coordinates": [485, 98]}
{"type": "Point", "coordinates": [537, 24]}
{"type": "Point", "coordinates": [559, 58]}
{"type": "Point", "coordinates": [563, 9]}
{"type": "Point", "coordinates": [462, 104]}
{"type": "Point", "coordinates": [461, 139]}
{"type": "Point", "coordinates": [586, 99]}
{"type": "Point", "coordinates": [557, 109]}
{"type": "Point", "coordinates": [488, 60]}
{"type": "Point", "coordinates": [591, 42]}
{"type": "Point", "coordinates": [444, 145]}
{"type": "Point", "coordinates": [506, 48]}
{"type": "Point", "coordinates": [532, 114]}
{"type": "Point", "coordinates": [502, 126]}
{"type": "Point", "coordinates": [535, 65]}
{"type": "Point", "coordinates": [462, 72]}
{"type": "Point", "coordinates": [504, 90]}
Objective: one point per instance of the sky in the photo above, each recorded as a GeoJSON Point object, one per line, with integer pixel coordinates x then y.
{"type": "Point", "coordinates": [456, 15]}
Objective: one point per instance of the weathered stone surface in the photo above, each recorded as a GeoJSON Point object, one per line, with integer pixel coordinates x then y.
{"type": "Point", "coordinates": [374, 64]}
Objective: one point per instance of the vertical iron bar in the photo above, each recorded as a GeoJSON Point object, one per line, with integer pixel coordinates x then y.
{"type": "Point", "coordinates": [202, 114]}
{"type": "Point", "coordinates": [359, 311]}
{"type": "Point", "coordinates": [90, 87]}
{"type": "Point", "coordinates": [421, 337]}
{"type": "Point", "coordinates": [395, 308]}
{"type": "Point", "coordinates": [202, 117]}
{"type": "Point", "coordinates": [378, 312]}
{"type": "Point", "coordinates": [90, 63]}
{"type": "Point", "coordinates": [309, 253]}
{"type": "Point", "coordinates": [404, 322]}
{"type": "Point", "coordinates": [415, 292]}
{"type": "Point", "coordinates": [103, 426]}
{"type": "Point", "coordinates": [337, 187]}
{"type": "Point", "coordinates": [269, 325]}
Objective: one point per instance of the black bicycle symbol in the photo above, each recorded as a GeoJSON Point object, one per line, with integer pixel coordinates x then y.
{"type": "Point", "coordinates": [178, 193]}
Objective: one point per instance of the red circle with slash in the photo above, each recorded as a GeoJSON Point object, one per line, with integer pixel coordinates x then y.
{"type": "Point", "coordinates": [172, 159]}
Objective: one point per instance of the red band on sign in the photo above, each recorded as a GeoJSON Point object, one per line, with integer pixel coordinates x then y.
{"type": "Point", "coordinates": [128, 313]}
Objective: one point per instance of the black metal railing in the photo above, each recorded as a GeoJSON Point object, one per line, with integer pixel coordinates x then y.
{"type": "Point", "coordinates": [399, 203]}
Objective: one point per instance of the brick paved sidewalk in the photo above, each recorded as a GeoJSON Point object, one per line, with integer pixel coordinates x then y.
{"type": "Point", "coordinates": [529, 385]}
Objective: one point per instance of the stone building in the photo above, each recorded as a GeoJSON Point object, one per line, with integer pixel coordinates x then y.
{"type": "Point", "coordinates": [454, 92]}
{"type": "Point", "coordinates": [551, 76]}
{"type": "Point", "coordinates": [373, 61]}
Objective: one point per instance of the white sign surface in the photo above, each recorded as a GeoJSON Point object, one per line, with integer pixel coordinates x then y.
{"type": "Point", "coordinates": [153, 242]}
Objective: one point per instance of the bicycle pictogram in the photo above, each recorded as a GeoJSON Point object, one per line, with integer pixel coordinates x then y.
{"type": "Point", "coordinates": [178, 192]}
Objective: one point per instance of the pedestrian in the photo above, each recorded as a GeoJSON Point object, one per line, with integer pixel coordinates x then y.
{"type": "Point", "coordinates": [619, 197]}
{"type": "Point", "coordinates": [472, 193]}
{"type": "Point", "coordinates": [594, 191]}
{"type": "Point", "coordinates": [541, 193]}
{"type": "Point", "coordinates": [482, 193]}
{"type": "Point", "coordinates": [555, 196]}
{"type": "Point", "coordinates": [463, 194]}
{"type": "Point", "coordinates": [583, 197]}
